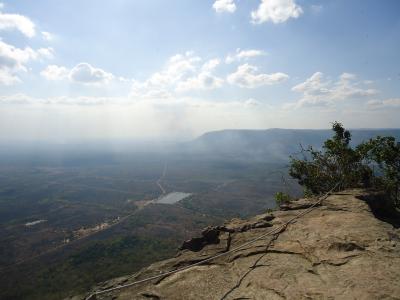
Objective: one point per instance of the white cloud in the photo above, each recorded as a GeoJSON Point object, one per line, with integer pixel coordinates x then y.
{"type": "Point", "coordinates": [224, 6]}
{"type": "Point", "coordinates": [249, 53]}
{"type": "Point", "coordinates": [210, 65]}
{"type": "Point", "coordinates": [8, 78]}
{"type": "Point", "coordinates": [382, 104]}
{"type": "Point", "coordinates": [205, 80]}
{"type": "Point", "coordinates": [86, 74]}
{"type": "Point", "coordinates": [13, 60]}
{"type": "Point", "coordinates": [243, 55]}
{"type": "Point", "coordinates": [182, 73]}
{"type": "Point", "coordinates": [160, 84]}
{"type": "Point", "coordinates": [45, 53]}
{"type": "Point", "coordinates": [246, 76]}
{"type": "Point", "coordinates": [347, 77]}
{"type": "Point", "coordinates": [179, 66]}
{"type": "Point", "coordinates": [313, 85]}
{"type": "Point", "coordinates": [276, 11]}
{"type": "Point", "coordinates": [54, 72]}
{"type": "Point", "coordinates": [317, 91]}
{"type": "Point", "coordinates": [82, 73]}
{"type": "Point", "coordinates": [47, 36]}
{"type": "Point", "coordinates": [13, 57]}
{"type": "Point", "coordinates": [17, 22]}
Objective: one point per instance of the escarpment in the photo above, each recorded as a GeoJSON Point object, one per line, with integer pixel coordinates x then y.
{"type": "Point", "coordinates": [338, 250]}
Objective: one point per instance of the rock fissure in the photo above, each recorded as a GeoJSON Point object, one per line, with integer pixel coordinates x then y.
{"type": "Point", "coordinates": [251, 268]}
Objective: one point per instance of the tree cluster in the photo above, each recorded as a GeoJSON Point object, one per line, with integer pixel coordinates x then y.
{"type": "Point", "coordinates": [372, 164]}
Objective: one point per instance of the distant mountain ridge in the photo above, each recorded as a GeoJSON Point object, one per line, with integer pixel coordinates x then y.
{"type": "Point", "coordinates": [272, 144]}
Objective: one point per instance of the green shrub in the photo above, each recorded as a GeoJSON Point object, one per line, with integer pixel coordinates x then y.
{"type": "Point", "coordinates": [336, 163]}
{"type": "Point", "coordinates": [374, 163]}
{"type": "Point", "coordinates": [282, 198]}
{"type": "Point", "coordinates": [383, 155]}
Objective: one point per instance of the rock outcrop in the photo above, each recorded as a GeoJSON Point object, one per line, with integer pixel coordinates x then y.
{"type": "Point", "coordinates": [339, 250]}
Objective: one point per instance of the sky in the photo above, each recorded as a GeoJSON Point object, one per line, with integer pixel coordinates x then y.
{"type": "Point", "coordinates": [155, 69]}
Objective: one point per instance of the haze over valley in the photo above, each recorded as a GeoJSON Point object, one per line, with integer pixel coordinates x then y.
{"type": "Point", "coordinates": [127, 127]}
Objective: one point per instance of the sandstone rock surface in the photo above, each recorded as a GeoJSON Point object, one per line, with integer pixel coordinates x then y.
{"type": "Point", "coordinates": [339, 250]}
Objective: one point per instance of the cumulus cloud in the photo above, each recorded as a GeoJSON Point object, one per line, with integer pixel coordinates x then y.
{"type": "Point", "coordinates": [276, 11]}
{"type": "Point", "coordinates": [313, 85]}
{"type": "Point", "coordinates": [8, 78]}
{"type": "Point", "coordinates": [13, 57]}
{"type": "Point", "coordinates": [210, 65]}
{"type": "Point", "coordinates": [17, 22]}
{"type": "Point", "coordinates": [318, 91]}
{"type": "Point", "coordinates": [54, 72]}
{"type": "Point", "coordinates": [205, 80]}
{"type": "Point", "coordinates": [46, 53]}
{"type": "Point", "coordinates": [224, 6]}
{"type": "Point", "coordinates": [13, 60]}
{"type": "Point", "coordinates": [246, 76]}
{"type": "Point", "coordinates": [243, 55]}
{"type": "Point", "coordinates": [160, 84]}
{"type": "Point", "coordinates": [182, 73]}
{"type": "Point", "coordinates": [82, 73]}
{"type": "Point", "coordinates": [86, 74]}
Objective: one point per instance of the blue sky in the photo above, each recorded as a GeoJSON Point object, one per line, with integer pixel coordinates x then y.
{"type": "Point", "coordinates": [175, 69]}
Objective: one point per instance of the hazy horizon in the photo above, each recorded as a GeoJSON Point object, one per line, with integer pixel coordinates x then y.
{"type": "Point", "coordinates": [159, 140]}
{"type": "Point", "coordinates": [158, 70]}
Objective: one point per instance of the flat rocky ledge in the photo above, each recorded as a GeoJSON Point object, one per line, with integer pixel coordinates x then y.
{"type": "Point", "coordinates": [339, 250]}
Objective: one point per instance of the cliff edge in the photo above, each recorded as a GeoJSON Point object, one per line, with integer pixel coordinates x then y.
{"type": "Point", "coordinates": [339, 250]}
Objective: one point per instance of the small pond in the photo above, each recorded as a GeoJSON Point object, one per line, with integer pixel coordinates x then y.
{"type": "Point", "coordinates": [172, 198]}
